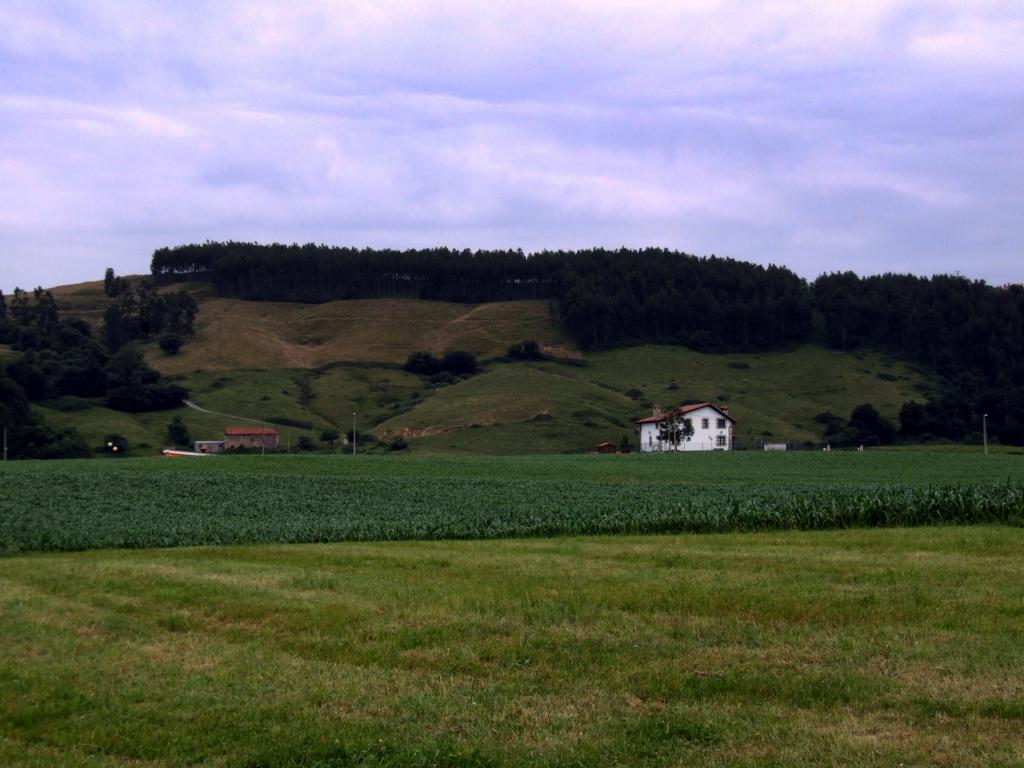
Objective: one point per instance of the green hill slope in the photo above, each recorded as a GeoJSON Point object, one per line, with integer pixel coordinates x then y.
{"type": "Point", "coordinates": [528, 407]}
{"type": "Point", "coordinates": [309, 367]}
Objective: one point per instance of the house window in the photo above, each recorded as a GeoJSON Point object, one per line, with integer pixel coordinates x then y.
{"type": "Point", "coordinates": [721, 441]}
{"type": "Point", "coordinates": [704, 423]}
{"type": "Point", "coordinates": [721, 423]}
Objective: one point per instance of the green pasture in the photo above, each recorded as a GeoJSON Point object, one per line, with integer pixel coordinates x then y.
{"type": "Point", "coordinates": [523, 408]}
{"type": "Point", "coordinates": [854, 648]}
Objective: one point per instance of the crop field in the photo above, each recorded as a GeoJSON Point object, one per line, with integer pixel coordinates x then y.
{"type": "Point", "coordinates": [854, 648]}
{"type": "Point", "coordinates": [224, 500]}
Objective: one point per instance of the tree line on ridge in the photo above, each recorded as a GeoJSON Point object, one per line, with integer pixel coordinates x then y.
{"type": "Point", "coordinates": [969, 332]}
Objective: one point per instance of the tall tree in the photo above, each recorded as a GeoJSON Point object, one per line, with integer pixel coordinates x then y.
{"type": "Point", "coordinates": [675, 429]}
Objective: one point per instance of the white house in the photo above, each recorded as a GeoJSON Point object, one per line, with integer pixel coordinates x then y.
{"type": "Point", "coordinates": [712, 429]}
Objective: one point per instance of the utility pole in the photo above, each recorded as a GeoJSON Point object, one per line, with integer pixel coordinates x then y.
{"type": "Point", "coordinates": [984, 431]}
{"type": "Point", "coordinates": [354, 436]}
{"type": "Point", "coordinates": [5, 442]}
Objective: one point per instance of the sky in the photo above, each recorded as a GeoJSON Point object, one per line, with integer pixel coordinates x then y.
{"type": "Point", "coordinates": [873, 135]}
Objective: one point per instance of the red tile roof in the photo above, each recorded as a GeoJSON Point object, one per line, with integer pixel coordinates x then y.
{"type": "Point", "coordinates": [239, 431]}
{"type": "Point", "coordinates": [684, 409]}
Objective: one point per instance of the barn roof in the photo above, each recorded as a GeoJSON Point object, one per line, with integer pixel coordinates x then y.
{"type": "Point", "coordinates": [684, 409]}
{"type": "Point", "coordinates": [240, 431]}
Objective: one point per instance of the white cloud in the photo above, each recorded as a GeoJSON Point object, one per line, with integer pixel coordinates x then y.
{"type": "Point", "coordinates": [818, 134]}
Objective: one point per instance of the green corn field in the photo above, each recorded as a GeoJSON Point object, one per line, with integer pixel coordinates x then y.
{"type": "Point", "coordinates": [63, 506]}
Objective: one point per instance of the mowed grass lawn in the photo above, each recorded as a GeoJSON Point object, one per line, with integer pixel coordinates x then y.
{"type": "Point", "coordinates": [857, 647]}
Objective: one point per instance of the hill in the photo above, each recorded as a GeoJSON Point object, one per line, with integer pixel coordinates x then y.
{"type": "Point", "coordinates": [309, 367]}
{"type": "Point", "coordinates": [232, 333]}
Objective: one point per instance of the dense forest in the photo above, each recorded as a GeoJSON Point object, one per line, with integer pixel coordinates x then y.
{"type": "Point", "coordinates": [604, 297]}
{"type": "Point", "coordinates": [971, 333]}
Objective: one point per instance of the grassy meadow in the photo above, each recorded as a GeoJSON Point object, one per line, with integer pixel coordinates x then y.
{"type": "Point", "coordinates": [855, 648]}
{"type": "Point", "coordinates": [520, 408]}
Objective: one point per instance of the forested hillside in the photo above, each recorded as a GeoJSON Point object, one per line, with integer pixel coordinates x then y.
{"type": "Point", "coordinates": [927, 357]}
{"type": "Point", "coordinates": [605, 298]}
{"type": "Point", "coordinates": [968, 331]}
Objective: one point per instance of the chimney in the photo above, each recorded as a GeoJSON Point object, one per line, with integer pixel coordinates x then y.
{"type": "Point", "coordinates": [725, 409]}
{"type": "Point", "coordinates": [657, 410]}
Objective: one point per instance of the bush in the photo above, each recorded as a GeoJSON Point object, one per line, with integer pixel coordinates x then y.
{"type": "Point", "coordinates": [69, 404]}
{"type": "Point", "coordinates": [459, 363]}
{"type": "Point", "coordinates": [171, 343]}
{"type": "Point", "coordinates": [442, 378]}
{"type": "Point", "coordinates": [148, 397]}
{"type": "Point", "coordinates": [38, 441]}
{"type": "Point", "coordinates": [422, 364]}
{"type": "Point", "coordinates": [177, 432]}
{"type": "Point", "coordinates": [398, 444]}
{"type": "Point", "coordinates": [869, 426]}
{"type": "Point", "coordinates": [528, 349]}
{"type": "Point", "coordinates": [306, 443]}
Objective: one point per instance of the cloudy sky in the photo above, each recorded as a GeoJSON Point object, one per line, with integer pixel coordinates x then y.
{"type": "Point", "coordinates": [870, 135]}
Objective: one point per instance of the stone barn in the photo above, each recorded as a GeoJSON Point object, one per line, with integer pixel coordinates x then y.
{"type": "Point", "coordinates": [250, 437]}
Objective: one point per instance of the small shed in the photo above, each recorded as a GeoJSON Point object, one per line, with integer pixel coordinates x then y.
{"type": "Point", "coordinates": [250, 437]}
{"type": "Point", "coordinates": [607, 448]}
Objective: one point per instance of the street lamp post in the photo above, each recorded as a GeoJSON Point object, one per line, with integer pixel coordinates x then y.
{"type": "Point", "coordinates": [354, 436]}
{"type": "Point", "coordinates": [984, 431]}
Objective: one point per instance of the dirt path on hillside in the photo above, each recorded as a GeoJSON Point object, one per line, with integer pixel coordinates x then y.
{"type": "Point", "coordinates": [196, 407]}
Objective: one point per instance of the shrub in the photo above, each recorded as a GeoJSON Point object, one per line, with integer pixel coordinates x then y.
{"type": "Point", "coordinates": [459, 363]}
{"type": "Point", "coordinates": [422, 363]}
{"type": "Point", "coordinates": [38, 441]}
{"type": "Point", "coordinates": [528, 349]}
{"type": "Point", "coordinates": [398, 444]}
{"type": "Point", "coordinates": [306, 443]}
{"type": "Point", "coordinates": [148, 397]}
{"type": "Point", "coordinates": [442, 378]}
{"type": "Point", "coordinates": [171, 343]}
{"type": "Point", "coordinates": [177, 432]}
